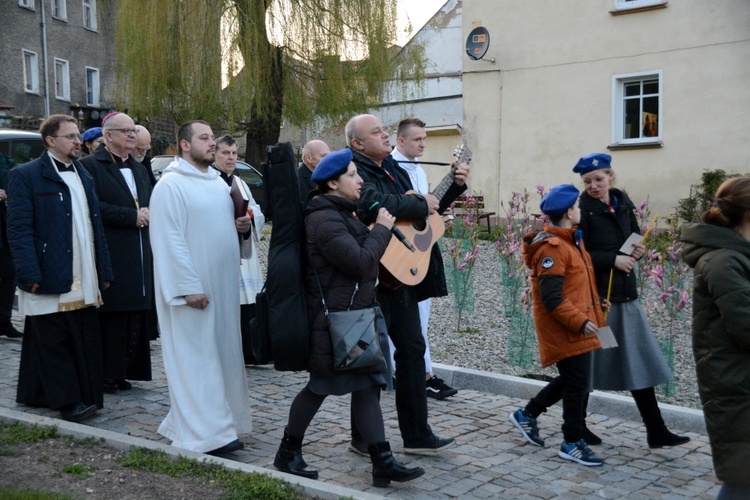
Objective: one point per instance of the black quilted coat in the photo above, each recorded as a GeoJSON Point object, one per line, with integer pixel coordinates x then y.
{"type": "Point", "coordinates": [344, 252]}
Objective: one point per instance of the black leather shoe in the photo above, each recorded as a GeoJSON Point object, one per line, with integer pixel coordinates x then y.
{"type": "Point", "coordinates": [123, 384]}
{"type": "Point", "coordinates": [11, 332]}
{"type": "Point", "coordinates": [430, 445]}
{"type": "Point", "coordinates": [227, 448]}
{"type": "Point", "coordinates": [77, 412]}
{"type": "Point", "coordinates": [109, 386]}
{"type": "Point", "coordinates": [590, 437]}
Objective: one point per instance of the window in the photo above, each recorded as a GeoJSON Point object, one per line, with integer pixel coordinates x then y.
{"type": "Point", "coordinates": [637, 108]}
{"type": "Point", "coordinates": [59, 10]}
{"type": "Point", "coordinates": [89, 14]}
{"type": "Point", "coordinates": [92, 86]}
{"type": "Point", "coordinates": [638, 4]}
{"type": "Point", "coordinates": [62, 79]}
{"type": "Point", "coordinates": [29, 4]}
{"type": "Point", "coordinates": [30, 71]}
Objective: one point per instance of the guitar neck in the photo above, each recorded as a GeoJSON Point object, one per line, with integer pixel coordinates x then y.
{"type": "Point", "coordinates": [445, 184]}
{"type": "Point", "coordinates": [463, 155]}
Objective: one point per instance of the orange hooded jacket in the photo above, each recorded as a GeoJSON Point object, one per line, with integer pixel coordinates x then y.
{"type": "Point", "coordinates": [554, 255]}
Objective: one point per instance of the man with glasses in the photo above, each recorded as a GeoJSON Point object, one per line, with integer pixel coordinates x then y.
{"type": "Point", "coordinates": [127, 318]}
{"type": "Point", "coordinates": [62, 266]}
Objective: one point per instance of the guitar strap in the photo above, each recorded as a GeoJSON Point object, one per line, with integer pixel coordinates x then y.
{"type": "Point", "coordinates": [387, 170]}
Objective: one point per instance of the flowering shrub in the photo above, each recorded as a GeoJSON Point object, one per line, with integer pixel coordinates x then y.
{"type": "Point", "coordinates": [463, 251]}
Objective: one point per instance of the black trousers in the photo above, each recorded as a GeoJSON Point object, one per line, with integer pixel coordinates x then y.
{"type": "Point", "coordinates": [7, 285]}
{"type": "Point", "coordinates": [572, 387]}
{"type": "Point", "coordinates": [401, 313]}
{"type": "Point", "coordinates": [61, 360]}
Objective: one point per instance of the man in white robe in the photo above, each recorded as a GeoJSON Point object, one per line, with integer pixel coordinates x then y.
{"type": "Point", "coordinates": [251, 275]}
{"type": "Point", "coordinates": [196, 266]}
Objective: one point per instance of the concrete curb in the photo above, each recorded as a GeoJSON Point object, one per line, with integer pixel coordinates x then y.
{"type": "Point", "coordinates": [123, 442]}
{"type": "Point", "coordinates": [613, 405]}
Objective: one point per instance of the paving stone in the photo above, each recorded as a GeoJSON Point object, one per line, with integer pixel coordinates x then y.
{"type": "Point", "coordinates": [490, 460]}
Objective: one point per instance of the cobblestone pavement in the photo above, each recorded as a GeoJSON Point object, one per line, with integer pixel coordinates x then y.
{"type": "Point", "coordinates": [490, 460]}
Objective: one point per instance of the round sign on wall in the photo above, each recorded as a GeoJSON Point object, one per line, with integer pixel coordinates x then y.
{"type": "Point", "coordinates": [477, 43]}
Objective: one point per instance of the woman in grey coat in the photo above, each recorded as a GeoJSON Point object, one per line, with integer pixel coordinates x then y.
{"type": "Point", "coordinates": [636, 364]}
{"type": "Point", "coordinates": [719, 251]}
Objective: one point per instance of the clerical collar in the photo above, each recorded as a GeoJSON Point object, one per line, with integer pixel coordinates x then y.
{"type": "Point", "coordinates": [228, 178]}
{"type": "Point", "coordinates": [118, 160]}
{"type": "Point", "coordinates": [61, 165]}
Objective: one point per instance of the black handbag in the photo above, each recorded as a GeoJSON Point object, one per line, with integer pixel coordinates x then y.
{"type": "Point", "coordinates": [354, 336]}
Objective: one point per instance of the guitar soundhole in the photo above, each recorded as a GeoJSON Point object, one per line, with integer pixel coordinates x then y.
{"type": "Point", "coordinates": [413, 271]}
{"type": "Point", "coordinates": [419, 225]}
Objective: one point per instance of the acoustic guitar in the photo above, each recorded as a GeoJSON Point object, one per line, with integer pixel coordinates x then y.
{"type": "Point", "coordinates": [403, 266]}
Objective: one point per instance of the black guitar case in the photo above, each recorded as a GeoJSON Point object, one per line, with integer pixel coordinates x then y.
{"type": "Point", "coordinates": [285, 281]}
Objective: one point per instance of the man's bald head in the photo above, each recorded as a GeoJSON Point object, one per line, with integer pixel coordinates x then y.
{"type": "Point", "coordinates": [366, 135]}
{"type": "Point", "coordinates": [119, 134]}
{"type": "Point", "coordinates": [142, 143]}
{"type": "Point", "coordinates": [313, 152]}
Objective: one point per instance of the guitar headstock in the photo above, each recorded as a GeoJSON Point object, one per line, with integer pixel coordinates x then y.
{"type": "Point", "coordinates": [462, 154]}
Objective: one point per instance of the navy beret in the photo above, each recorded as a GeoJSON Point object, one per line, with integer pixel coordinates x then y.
{"type": "Point", "coordinates": [594, 161]}
{"type": "Point", "coordinates": [332, 165]}
{"type": "Point", "coordinates": [92, 134]}
{"type": "Point", "coordinates": [559, 199]}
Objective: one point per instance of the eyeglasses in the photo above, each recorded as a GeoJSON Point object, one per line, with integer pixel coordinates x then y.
{"type": "Point", "coordinates": [127, 131]}
{"type": "Point", "coordinates": [143, 151]}
{"type": "Point", "coordinates": [70, 137]}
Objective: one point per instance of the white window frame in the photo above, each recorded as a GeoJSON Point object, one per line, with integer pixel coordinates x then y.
{"type": "Point", "coordinates": [27, 4]}
{"type": "Point", "coordinates": [89, 14]}
{"type": "Point", "coordinates": [62, 79]}
{"type": "Point", "coordinates": [62, 9]}
{"type": "Point", "coordinates": [92, 90]}
{"type": "Point", "coordinates": [30, 71]}
{"type": "Point", "coordinates": [636, 4]}
{"type": "Point", "coordinates": [618, 107]}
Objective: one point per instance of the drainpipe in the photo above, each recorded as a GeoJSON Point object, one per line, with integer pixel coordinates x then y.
{"type": "Point", "coordinates": [44, 55]}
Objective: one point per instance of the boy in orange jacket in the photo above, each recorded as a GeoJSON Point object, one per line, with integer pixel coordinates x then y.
{"type": "Point", "coordinates": [567, 312]}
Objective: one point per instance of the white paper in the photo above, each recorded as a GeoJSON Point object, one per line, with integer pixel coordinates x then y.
{"type": "Point", "coordinates": [606, 337]}
{"type": "Point", "coordinates": [627, 247]}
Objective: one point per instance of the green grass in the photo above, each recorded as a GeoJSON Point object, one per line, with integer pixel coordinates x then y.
{"type": "Point", "coordinates": [16, 494]}
{"type": "Point", "coordinates": [19, 433]}
{"type": "Point", "coordinates": [78, 470]}
{"type": "Point", "coordinates": [234, 484]}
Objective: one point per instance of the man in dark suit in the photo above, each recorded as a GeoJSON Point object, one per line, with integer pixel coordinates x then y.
{"type": "Point", "coordinates": [7, 269]}
{"type": "Point", "coordinates": [62, 264]}
{"type": "Point", "coordinates": [127, 317]}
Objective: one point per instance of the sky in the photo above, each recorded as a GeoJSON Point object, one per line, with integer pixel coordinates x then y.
{"type": "Point", "coordinates": [418, 12]}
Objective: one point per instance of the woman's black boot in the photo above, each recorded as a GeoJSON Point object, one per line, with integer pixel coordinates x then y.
{"type": "Point", "coordinates": [289, 458]}
{"type": "Point", "coordinates": [657, 434]}
{"type": "Point", "coordinates": [385, 468]}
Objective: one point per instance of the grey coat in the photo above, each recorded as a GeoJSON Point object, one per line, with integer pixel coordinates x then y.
{"type": "Point", "coordinates": [721, 342]}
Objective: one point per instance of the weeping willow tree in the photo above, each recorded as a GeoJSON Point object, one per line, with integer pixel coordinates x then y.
{"type": "Point", "coordinates": [247, 65]}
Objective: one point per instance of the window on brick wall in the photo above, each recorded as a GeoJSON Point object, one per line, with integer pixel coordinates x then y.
{"type": "Point", "coordinates": [62, 79]}
{"type": "Point", "coordinates": [30, 71]}
{"type": "Point", "coordinates": [636, 4]}
{"type": "Point", "coordinates": [89, 14]}
{"type": "Point", "coordinates": [92, 86]}
{"type": "Point", "coordinates": [60, 9]}
{"type": "Point", "coordinates": [637, 108]}
{"type": "Point", "coordinates": [29, 4]}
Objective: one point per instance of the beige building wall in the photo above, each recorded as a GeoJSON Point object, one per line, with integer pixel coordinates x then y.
{"type": "Point", "coordinates": [547, 100]}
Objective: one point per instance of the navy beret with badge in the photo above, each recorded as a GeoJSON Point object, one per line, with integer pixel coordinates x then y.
{"type": "Point", "coordinates": [594, 161]}
{"type": "Point", "coordinates": [558, 200]}
{"type": "Point", "coordinates": [332, 165]}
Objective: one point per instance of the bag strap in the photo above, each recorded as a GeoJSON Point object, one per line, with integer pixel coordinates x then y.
{"type": "Point", "coordinates": [322, 298]}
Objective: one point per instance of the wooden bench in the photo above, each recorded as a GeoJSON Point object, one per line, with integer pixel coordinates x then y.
{"type": "Point", "coordinates": [461, 207]}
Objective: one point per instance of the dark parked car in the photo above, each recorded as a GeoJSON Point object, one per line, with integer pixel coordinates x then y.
{"type": "Point", "coordinates": [247, 173]}
{"type": "Point", "coordinates": [21, 146]}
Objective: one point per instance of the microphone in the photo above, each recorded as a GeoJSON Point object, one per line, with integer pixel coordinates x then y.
{"type": "Point", "coordinates": [373, 211]}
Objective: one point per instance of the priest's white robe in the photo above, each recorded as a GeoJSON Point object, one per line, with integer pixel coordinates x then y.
{"type": "Point", "coordinates": [194, 243]}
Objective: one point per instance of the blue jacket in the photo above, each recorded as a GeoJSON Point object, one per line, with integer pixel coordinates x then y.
{"type": "Point", "coordinates": [40, 227]}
